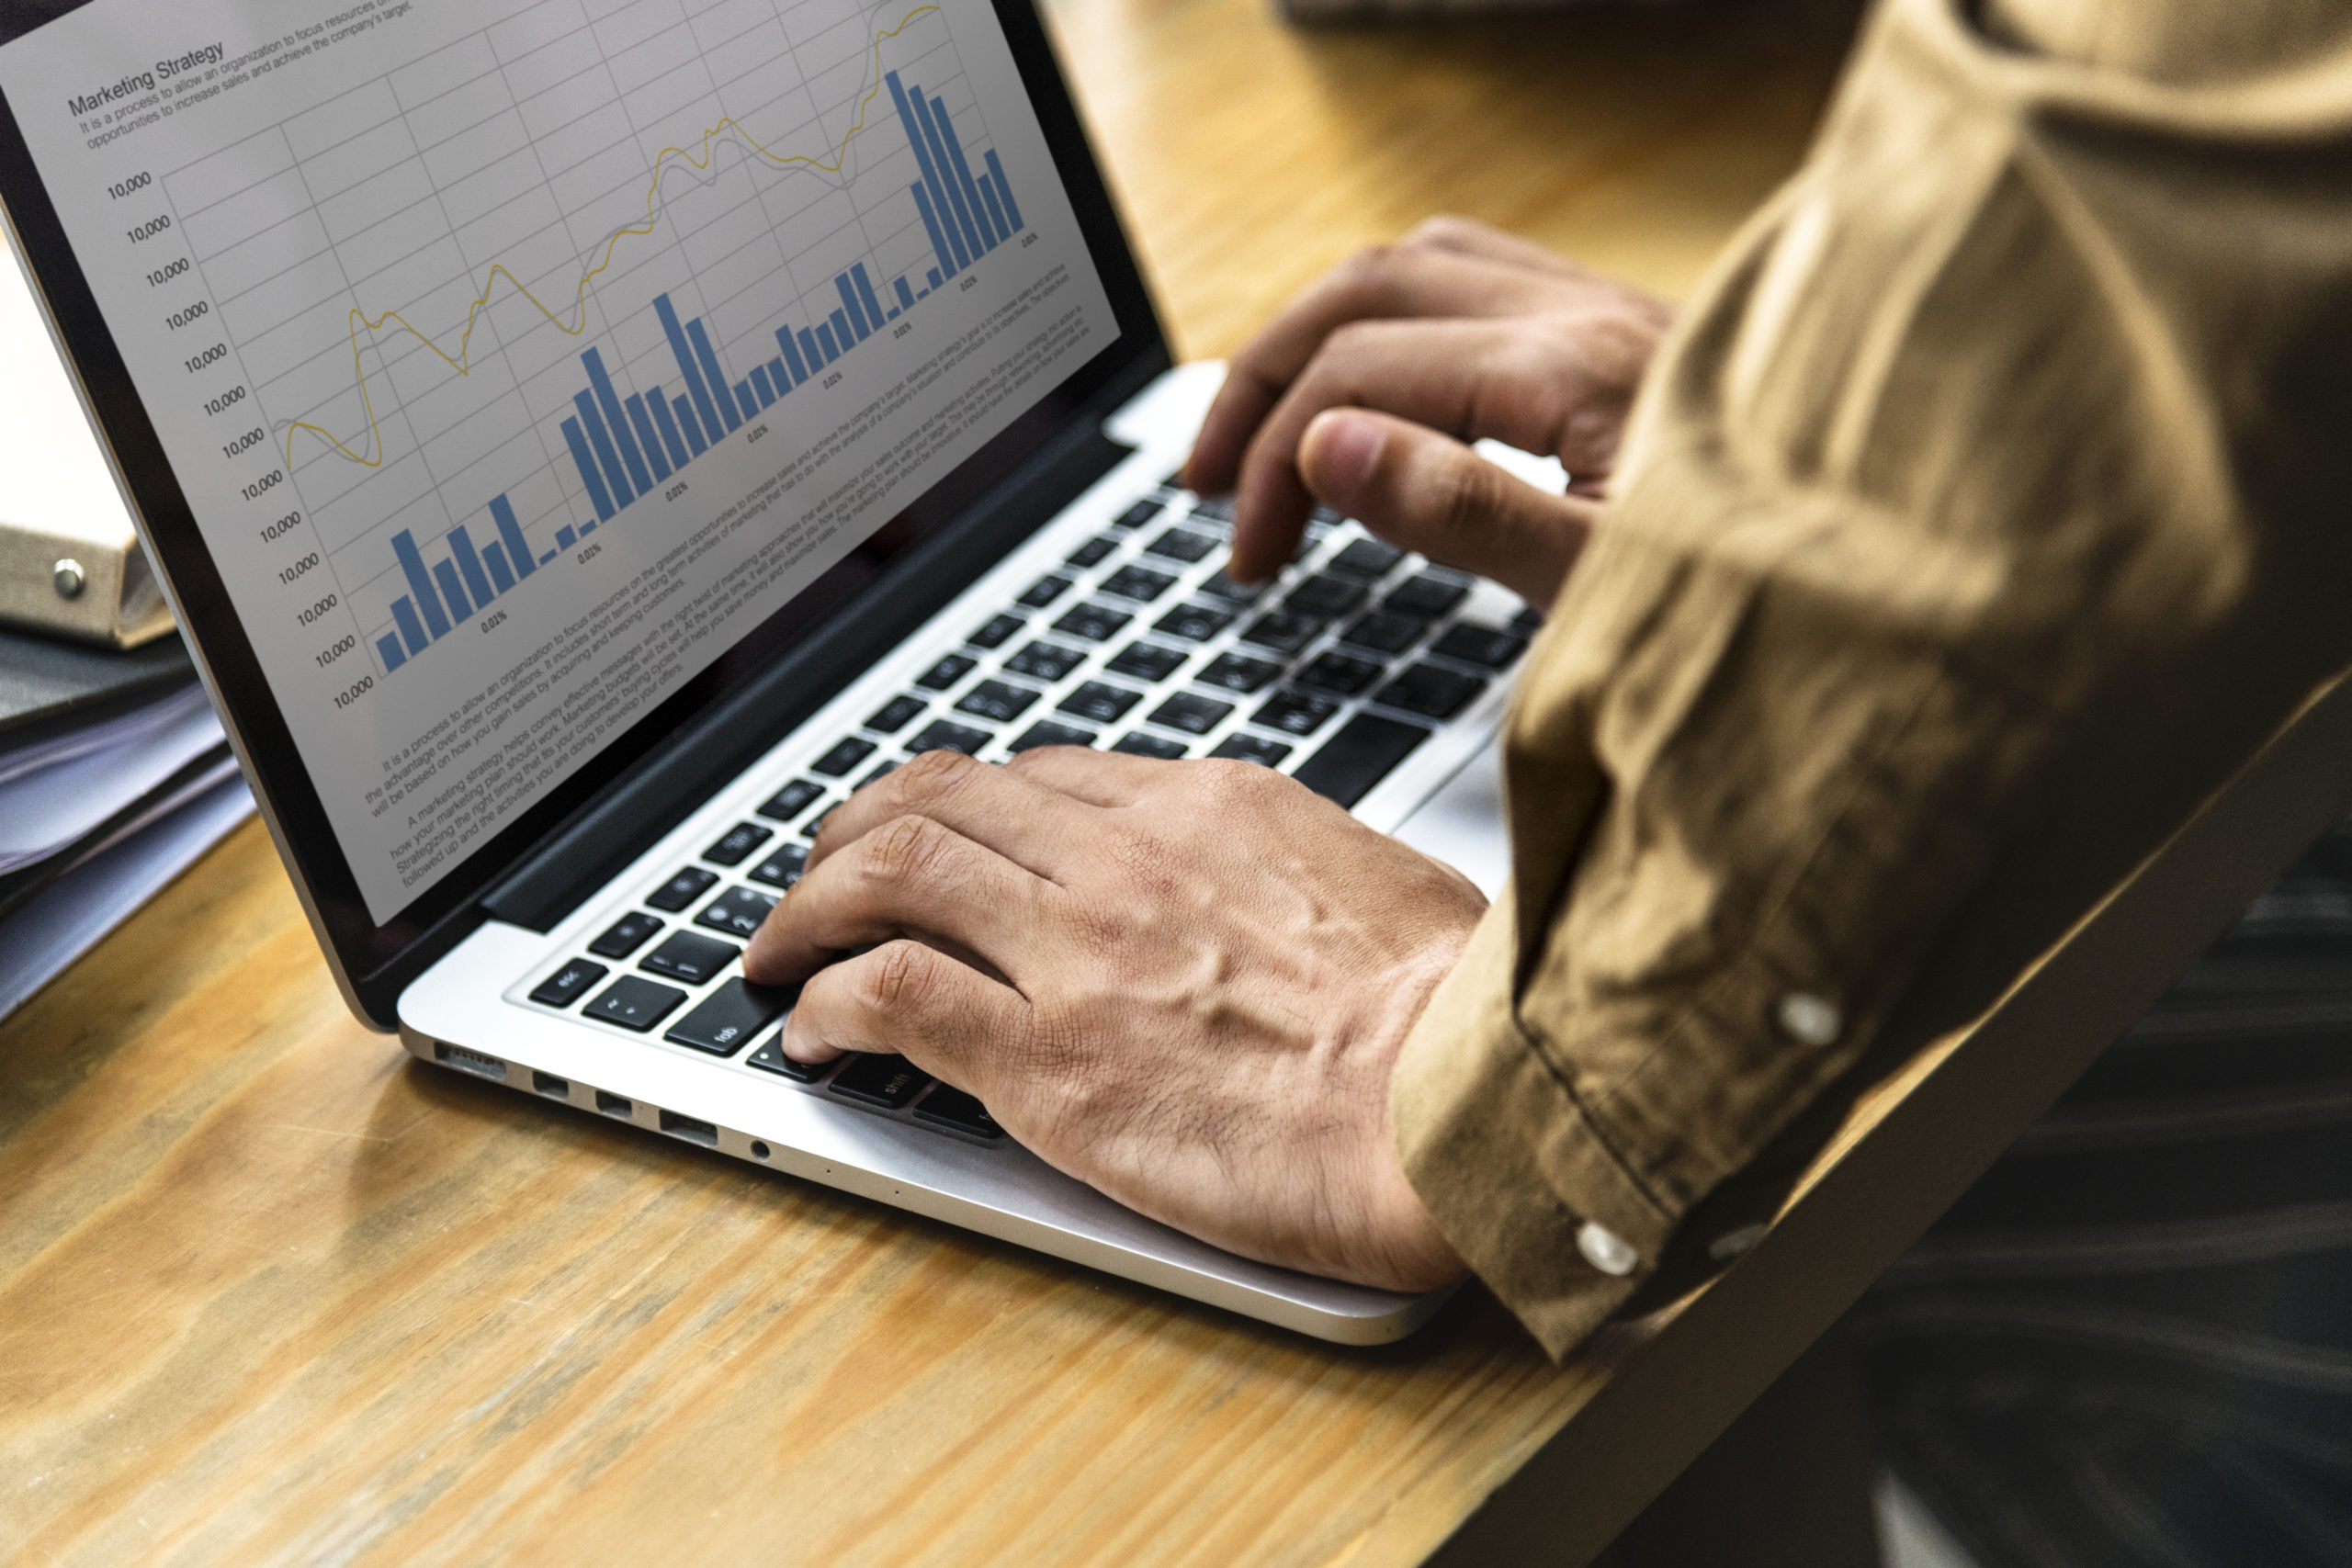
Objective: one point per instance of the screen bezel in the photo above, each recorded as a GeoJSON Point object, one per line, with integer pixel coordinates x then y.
{"type": "Point", "coordinates": [370, 956]}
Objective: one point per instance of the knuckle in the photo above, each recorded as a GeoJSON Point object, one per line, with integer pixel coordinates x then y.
{"type": "Point", "coordinates": [1440, 230]}
{"type": "Point", "coordinates": [898, 977]}
{"type": "Point", "coordinates": [905, 848]}
{"type": "Point", "coordinates": [932, 776]}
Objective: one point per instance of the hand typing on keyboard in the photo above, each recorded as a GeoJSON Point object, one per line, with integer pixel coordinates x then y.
{"type": "Point", "coordinates": [1363, 392]}
{"type": "Point", "coordinates": [1184, 983]}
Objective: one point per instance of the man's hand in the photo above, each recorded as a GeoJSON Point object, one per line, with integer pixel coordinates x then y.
{"type": "Point", "coordinates": [1363, 393]}
{"type": "Point", "coordinates": [1184, 983]}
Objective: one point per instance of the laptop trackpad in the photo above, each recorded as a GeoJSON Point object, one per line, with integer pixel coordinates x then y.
{"type": "Point", "coordinates": [1462, 823]}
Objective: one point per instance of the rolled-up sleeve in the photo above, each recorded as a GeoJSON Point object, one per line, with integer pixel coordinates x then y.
{"type": "Point", "coordinates": [1986, 510]}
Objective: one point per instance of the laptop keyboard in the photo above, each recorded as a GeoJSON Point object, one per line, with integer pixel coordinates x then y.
{"type": "Point", "coordinates": [1138, 643]}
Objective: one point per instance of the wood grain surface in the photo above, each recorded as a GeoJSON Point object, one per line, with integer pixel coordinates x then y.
{"type": "Point", "coordinates": [271, 1293]}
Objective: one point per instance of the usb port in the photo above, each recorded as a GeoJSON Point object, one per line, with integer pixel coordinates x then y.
{"type": "Point", "coordinates": [552, 1085]}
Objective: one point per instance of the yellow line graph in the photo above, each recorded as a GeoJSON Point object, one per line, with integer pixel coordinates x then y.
{"type": "Point", "coordinates": [462, 362]}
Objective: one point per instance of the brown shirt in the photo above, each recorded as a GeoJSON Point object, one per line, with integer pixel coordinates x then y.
{"type": "Point", "coordinates": [1992, 502]}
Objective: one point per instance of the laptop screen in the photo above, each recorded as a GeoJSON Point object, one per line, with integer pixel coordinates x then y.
{"type": "Point", "coordinates": [516, 357]}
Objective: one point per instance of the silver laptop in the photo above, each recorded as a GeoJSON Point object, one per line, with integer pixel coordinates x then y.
{"type": "Point", "coordinates": [583, 440]}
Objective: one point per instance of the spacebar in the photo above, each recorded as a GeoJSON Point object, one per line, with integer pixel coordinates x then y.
{"type": "Point", "coordinates": [1363, 753]}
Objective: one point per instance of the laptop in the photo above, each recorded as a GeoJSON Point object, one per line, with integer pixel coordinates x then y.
{"type": "Point", "coordinates": [584, 440]}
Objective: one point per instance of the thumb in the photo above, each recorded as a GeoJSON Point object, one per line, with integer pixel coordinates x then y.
{"type": "Point", "coordinates": [1430, 492]}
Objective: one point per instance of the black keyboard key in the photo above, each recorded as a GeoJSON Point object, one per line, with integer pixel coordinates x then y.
{"type": "Point", "coordinates": [953, 1109]}
{"type": "Point", "coordinates": [625, 936]}
{"type": "Point", "coordinates": [792, 800]}
{"type": "Point", "coordinates": [1095, 623]}
{"type": "Point", "coordinates": [1425, 689]}
{"type": "Point", "coordinates": [1324, 517]}
{"type": "Point", "coordinates": [999, 701]}
{"type": "Point", "coordinates": [690, 957]}
{"type": "Point", "coordinates": [565, 986]}
{"type": "Point", "coordinates": [1043, 592]}
{"type": "Point", "coordinates": [1194, 623]}
{"type": "Point", "coordinates": [882, 770]}
{"type": "Point", "coordinates": [1238, 673]}
{"type": "Point", "coordinates": [847, 753]}
{"type": "Point", "coordinates": [997, 630]}
{"type": "Point", "coordinates": [1528, 622]}
{"type": "Point", "coordinates": [1342, 673]}
{"type": "Point", "coordinates": [1214, 508]}
{"type": "Point", "coordinates": [683, 889]}
{"type": "Point", "coordinates": [771, 1058]}
{"type": "Point", "coordinates": [1142, 512]}
{"type": "Point", "coordinates": [737, 846]}
{"type": "Point", "coordinates": [1385, 633]}
{"type": "Point", "coordinates": [1479, 644]}
{"type": "Point", "coordinates": [1296, 712]}
{"type": "Point", "coordinates": [940, 735]}
{"type": "Point", "coordinates": [1426, 597]}
{"type": "Point", "coordinates": [1220, 586]}
{"type": "Point", "coordinates": [1251, 749]}
{"type": "Point", "coordinates": [884, 1082]}
{"type": "Point", "coordinates": [1193, 715]}
{"type": "Point", "coordinates": [1326, 598]}
{"type": "Point", "coordinates": [1091, 553]}
{"type": "Point", "coordinates": [1148, 662]}
{"type": "Point", "coordinates": [1359, 754]}
{"type": "Point", "coordinates": [816, 825]}
{"type": "Point", "coordinates": [1046, 732]}
{"type": "Point", "coordinates": [783, 868]}
{"type": "Point", "coordinates": [1137, 583]}
{"type": "Point", "coordinates": [738, 911]}
{"type": "Point", "coordinates": [1281, 631]}
{"type": "Point", "coordinates": [1099, 702]}
{"type": "Point", "coordinates": [635, 1004]}
{"type": "Point", "coordinates": [894, 716]}
{"type": "Point", "coordinates": [1368, 559]}
{"type": "Point", "coordinates": [1045, 661]}
{"type": "Point", "coordinates": [1138, 744]}
{"type": "Point", "coordinates": [948, 671]}
{"type": "Point", "coordinates": [1180, 544]}
{"type": "Point", "coordinates": [729, 1016]}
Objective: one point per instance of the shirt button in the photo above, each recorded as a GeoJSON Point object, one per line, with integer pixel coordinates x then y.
{"type": "Point", "coordinates": [1810, 1020]}
{"type": "Point", "coordinates": [1605, 1249]}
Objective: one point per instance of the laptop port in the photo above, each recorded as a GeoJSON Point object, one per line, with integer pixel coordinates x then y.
{"type": "Point", "coordinates": [467, 1061]}
{"type": "Point", "coordinates": [686, 1127]}
{"type": "Point", "coordinates": [552, 1085]}
{"type": "Point", "coordinates": [614, 1105]}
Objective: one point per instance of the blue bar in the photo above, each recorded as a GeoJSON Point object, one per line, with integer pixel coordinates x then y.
{"type": "Point", "coordinates": [421, 586]}
{"type": "Point", "coordinates": [759, 379]}
{"type": "Point", "coordinates": [690, 425]}
{"type": "Point", "coordinates": [563, 537]}
{"type": "Point", "coordinates": [405, 617]}
{"type": "Point", "coordinates": [947, 153]}
{"type": "Point", "coordinates": [865, 292]}
{"type": "Point", "coordinates": [601, 441]}
{"type": "Point", "coordinates": [717, 377]}
{"type": "Point", "coordinates": [939, 245]}
{"type": "Point", "coordinates": [792, 355]}
{"type": "Point", "coordinates": [451, 589]}
{"type": "Point", "coordinates": [586, 464]}
{"type": "Point", "coordinates": [609, 402]}
{"type": "Point", "coordinates": [461, 545]}
{"type": "Point", "coordinates": [906, 295]}
{"type": "Point", "coordinates": [825, 343]}
{"type": "Point", "coordinates": [996, 213]}
{"type": "Point", "coordinates": [389, 647]}
{"type": "Point", "coordinates": [750, 404]}
{"type": "Point", "coordinates": [779, 377]}
{"type": "Point", "coordinates": [811, 352]}
{"type": "Point", "coordinates": [936, 281]}
{"type": "Point", "coordinates": [647, 438]}
{"type": "Point", "coordinates": [841, 338]}
{"type": "Point", "coordinates": [950, 200]}
{"type": "Point", "coordinates": [687, 367]}
{"type": "Point", "coordinates": [669, 428]}
{"type": "Point", "coordinates": [493, 555]}
{"type": "Point", "coordinates": [951, 255]}
{"type": "Point", "coordinates": [1004, 191]}
{"type": "Point", "coordinates": [856, 312]}
{"type": "Point", "coordinates": [518, 549]}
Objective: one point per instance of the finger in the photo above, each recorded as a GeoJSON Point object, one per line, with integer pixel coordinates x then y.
{"type": "Point", "coordinates": [1467, 236]}
{"type": "Point", "coordinates": [1527, 382]}
{"type": "Point", "coordinates": [906, 998]}
{"type": "Point", "coordinates": [1034, 828]}
{"type": "Point", "coordinates": [1108, 779]}
{"type": "Point", "coordinates": [1386, 283]}
{"type": "Point", "coordinates": [1431, 493]}
{"type": "Point", "coordinates": [912, 875]}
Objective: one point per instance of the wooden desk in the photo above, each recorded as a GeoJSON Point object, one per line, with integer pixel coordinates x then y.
{"type": "Point", "coordinates": [272, 1295]}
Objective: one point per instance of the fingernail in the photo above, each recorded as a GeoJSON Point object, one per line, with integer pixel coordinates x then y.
{"type": "Point", "coordinates": [1338, 452]}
